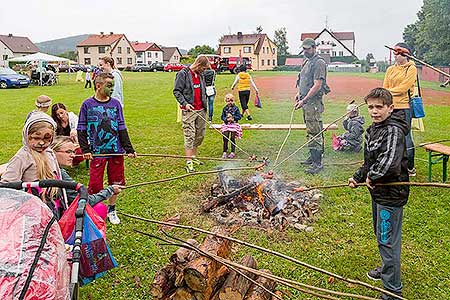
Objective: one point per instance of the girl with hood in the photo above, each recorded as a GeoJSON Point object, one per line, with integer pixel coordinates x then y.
{"type": "Point", "coordinates": [35, 160]}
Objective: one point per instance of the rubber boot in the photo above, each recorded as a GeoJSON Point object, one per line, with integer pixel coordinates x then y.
{"type": "Point", "coordinates": [317, 165]}
{"type": "Point", "coordinates": [309, 160]}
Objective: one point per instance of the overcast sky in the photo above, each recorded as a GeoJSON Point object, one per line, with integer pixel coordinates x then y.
{"type": "Point", "coordinates": [191, 22]}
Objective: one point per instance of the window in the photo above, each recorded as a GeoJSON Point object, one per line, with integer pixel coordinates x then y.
{"type": "Point", "coordinates": [264, 50]}
{"type": "Point", "coordinates": [273, 50]}
{"type": "Point", "coordinates": [226, 49]}
{"type": "Point", "coordinates": [139, 54]}
{"type": "Point", "coordinates": [247, 49]}
{"type": "Point", "coordinates": [149, 54]}
{"type": "Point", "coordinates": [5, 57]}
{"type": "Point", "coordinates": [333, 53]}
{"type": "Point", "coordinates": [128, 50]}
{"type": "Point", "coordinates": [86, 50]}
{"type": "Point", "coordinates": [87, 61]}
{"type": "Point", "coordinates": [273, 62]}
{"type": "Point", "coordinates": [129, 60]}
{"type": "Point", "coordinates": [119, 60]}
{"type": "Point", "coordinates": [119, 50]}
{"type": "Point", "coordinates": [156, 54]}
{"type": "Point", "coordinates": [101, 49]}
{"type": "Point", "coordinates": [341, 53]}
{"type": "Point", "coordinates": [262, 61]}
{"type": "Point", "coordinates": [268, 62]}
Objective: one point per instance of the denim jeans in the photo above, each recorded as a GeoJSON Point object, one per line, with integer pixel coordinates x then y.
{"type": "Point", "coordinates": [211, 105]}
{"type": "Point", "coordinates": [406, 115]}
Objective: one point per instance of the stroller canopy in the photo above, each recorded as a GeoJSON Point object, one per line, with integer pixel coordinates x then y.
{"type": "Point", "coordinates": [24, 219]}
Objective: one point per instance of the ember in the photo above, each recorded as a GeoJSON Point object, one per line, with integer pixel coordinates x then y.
{"type": "Point", "coordinates": [263, 201]}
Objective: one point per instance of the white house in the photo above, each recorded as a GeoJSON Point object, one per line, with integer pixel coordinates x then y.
{"type": "Point", "coordinates": [333, 46]}
{"type": "Point", "coordinates": [172, 55]}
{"type": "Point", "coordinates": [147, 53]}
{"type": "Point", "coordinates": [14, 46]}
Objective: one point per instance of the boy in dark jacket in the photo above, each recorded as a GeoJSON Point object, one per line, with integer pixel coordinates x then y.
{"type": "Point", "coordinates": [385, 161]}
{"type": "Point", "coordinates": [351, 140]}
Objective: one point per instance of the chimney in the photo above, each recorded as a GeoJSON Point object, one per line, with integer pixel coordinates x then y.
{"type": "Point", "coordinates": [10, 35]}
{"type": "Point", "coordinates": [239, 35]}
{"type": "Point", "coordinates": [111, 32]}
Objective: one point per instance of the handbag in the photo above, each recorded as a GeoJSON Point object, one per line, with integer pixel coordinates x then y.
{"type": "Point", "coordinates": [257, 101]}
{"type": "Point", "coordinates": [210, 90]}
{"type": "Point", "coordinates": [416, 103]}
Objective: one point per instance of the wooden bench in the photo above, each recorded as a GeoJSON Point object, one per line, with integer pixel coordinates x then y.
{"type": "Point", "coordinates": [274, 126]}
{"type": "Point", "coordinates": [442, 153]}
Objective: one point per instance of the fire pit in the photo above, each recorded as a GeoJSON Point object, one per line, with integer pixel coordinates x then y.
{"type": "Point", "coordinates": [262, 201]}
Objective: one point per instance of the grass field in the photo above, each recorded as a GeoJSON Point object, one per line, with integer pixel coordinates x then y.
{"type": "Point", "coordinates": [342, 240]}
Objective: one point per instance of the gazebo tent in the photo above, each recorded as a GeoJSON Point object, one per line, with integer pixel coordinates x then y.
{"type": "Point", "coordinates": [40, 58]}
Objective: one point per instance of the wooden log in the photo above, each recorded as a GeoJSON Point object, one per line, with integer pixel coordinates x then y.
{"type": "Point", "coordinates": [219, 280]}
{"type": "Point", "coordinates": [236, 286]}
{"type": "Point", "coordinates": [183, 255]}
{"type": "Point", "coordinates": [202, 273]}
{"type": "Point", "coordinates": [163, 282]}
{"type": "Point", "coordinates": [255, 292]}
{"type": "Point", "coordinates": [222, 199]}
{"type": "Point", "coordinates": [275, 126]}
{"type": "Point", "coordinates": [183, 293]}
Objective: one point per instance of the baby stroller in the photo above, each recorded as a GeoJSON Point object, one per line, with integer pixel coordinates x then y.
{"type": "Point", "coordinates": [34, 263]}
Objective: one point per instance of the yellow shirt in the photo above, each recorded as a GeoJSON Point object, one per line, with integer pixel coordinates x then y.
{"type": "Point", "coordinates": [244, 81]}
{"type": "Point", "coordinates": [400, 79]}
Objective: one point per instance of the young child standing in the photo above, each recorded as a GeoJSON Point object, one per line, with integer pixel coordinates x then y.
{"type": "Point", "coordinates": [101, 130]}
{"type": "Point", "coordinates": [230, 127]}
{"type": "Point", "coordinates": [353, 123]}
{"type": "Point", "coordinates": [385, 161]}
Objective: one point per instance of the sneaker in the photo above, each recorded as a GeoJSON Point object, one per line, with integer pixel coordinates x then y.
{"type": "Point", "coordinates": [231, 155]}
{"type": "Point", "coordinates": [249, 118]}
{"type": "Point", "coordinates": [197, 161]}
{"type": "Point", "coordinates": [374, 274]}
{"type": "Point", "coordinates": [113, 218]}
{"type": "Point", "coordinates": [224, 155]}
{"type": "Point", "coordinates": [190, 167]}
{"type": "Point", "coordinates": [412, 172]}
{"type": "Point", "coordinates": [210, 119]}
{"type": "Point", "coordinates": [308, 161]}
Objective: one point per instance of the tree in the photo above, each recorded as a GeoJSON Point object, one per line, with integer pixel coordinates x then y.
{"type": "Point", "coordinates": [430, 34]}
{"type": "Point", "coordinates": [281, 41]}
{"type": "Point", "coordinates": [72, 55]}
{"type": "Point", "coordinates": [370, 59]}
{"type": "Point", "coordinates": [259, 29]}
{"type": "Point", "coordinates": [203, 49]}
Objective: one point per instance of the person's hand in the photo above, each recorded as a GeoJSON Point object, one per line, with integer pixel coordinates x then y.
{"type": "Point", "coordinates": [189, 107]}
{"type": "Point", "coordinates": [299, 104]}
{"type": "Point", "coordinates": [257, 91]}
{"type": "Point", "coordinates": [369, 183]}
{"type": "Point", "coordinates": [117, 189]}
{"type": "Point", "coordinates": [352, 183]}
{"type": "Point", "coordinates": [400, 51]}
{"type": "Point", "coordinates": [74, 136]}
{"type": "Point", "coordinates": [132, 155]}
{"type": "Point", "coordinates": [88, 156]}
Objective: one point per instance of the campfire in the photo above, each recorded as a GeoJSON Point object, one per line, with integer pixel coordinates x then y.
{"type": "Point", "coordinates": [261, 201]}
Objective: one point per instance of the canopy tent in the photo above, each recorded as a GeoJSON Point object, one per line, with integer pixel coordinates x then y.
{"type": "Point", "coordinates": [39, 57]}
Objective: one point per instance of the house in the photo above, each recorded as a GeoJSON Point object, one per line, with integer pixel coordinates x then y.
{"type": "Point", "coordinates": [14, 46]}
{"type": "Point", "coordinates": [96, 46]}
{"type": "Point", "coordinates": [333, 46]}
{"type": "Point", "coordinates": [259, 47]}
{"type": "Point", "coordinates": [172, 55]}
{"type": "Point", "coordinates": [147, 53]}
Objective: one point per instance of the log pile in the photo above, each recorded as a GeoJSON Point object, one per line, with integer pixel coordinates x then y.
{"type": "Point", "coordinates": [191, 276]}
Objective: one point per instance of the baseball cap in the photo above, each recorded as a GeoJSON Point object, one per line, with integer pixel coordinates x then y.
{"type": "Point", "coordinates": [308, 43]}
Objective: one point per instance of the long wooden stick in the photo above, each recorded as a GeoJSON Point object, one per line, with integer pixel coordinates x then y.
{"type": "Point", "coordinates": [168, 156]}
{"type": "Point", "coordinates": [235, 266]}
{"type": "Point", "coordinates": [284, 256]}
{"type": "Point", "coordinates": [192, 174]}
{"type": "Point", "coordinates": [338, 185]}
{"type": "Point", "coordinates": [422, 62]}
{"type": "Point", "coordinates": [314, 137]}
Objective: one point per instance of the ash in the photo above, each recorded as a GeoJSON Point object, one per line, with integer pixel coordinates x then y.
{"type": "Point", "coordinates": [262, 201]}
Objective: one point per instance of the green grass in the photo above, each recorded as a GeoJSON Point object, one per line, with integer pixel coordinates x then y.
{"type": "Point", "coordinates": [342, 240]}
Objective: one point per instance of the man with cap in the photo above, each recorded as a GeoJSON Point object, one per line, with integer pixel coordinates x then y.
{"type": "Point", "coordinates": [311, 87]}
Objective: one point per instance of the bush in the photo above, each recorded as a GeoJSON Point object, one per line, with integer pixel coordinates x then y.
{"type": "Point", "coordinates": [287, 68]}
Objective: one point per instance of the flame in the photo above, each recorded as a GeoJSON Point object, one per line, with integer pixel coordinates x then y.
{"type": "Point", "coordinates": [259, 190]}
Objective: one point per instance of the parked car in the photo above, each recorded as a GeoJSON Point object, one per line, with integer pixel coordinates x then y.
{"type": "Point", "coordinates": [140, 67]}
{"type": "Point", "coordinates": [157, 66]}
{"type": "Point", "coordinates": [10, 78]}
{"type": "Point", "coordinates": [173, 67]}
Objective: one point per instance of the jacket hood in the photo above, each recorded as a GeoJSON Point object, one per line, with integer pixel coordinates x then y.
{"type": "Point", "coordinates": [359, 119]}
{"type": "Point", "coordinates": [243, 75]}
{"type": "Point", "coordinates": [396, 121]}
{"type": "Point", "coordinates": [34, 118]}
{"type": "Point", "coordinates": [407, 65]}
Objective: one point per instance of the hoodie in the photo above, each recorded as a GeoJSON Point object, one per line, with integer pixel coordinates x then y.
{"type": "Point", "coordinates": [400, 79]}
{"type": "Point", "coordinates": [385, 161]}
{"type": "Point", "coordinates": [22, 166]}
{"type": "Point", "coordinates": [354, 130]}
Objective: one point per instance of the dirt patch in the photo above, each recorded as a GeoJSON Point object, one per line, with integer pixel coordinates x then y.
{"type": "Point", "coordinates": [343, 88]}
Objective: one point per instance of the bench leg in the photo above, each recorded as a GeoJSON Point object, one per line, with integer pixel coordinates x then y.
{"type": "Point", "coordinates": [430, 165]}
{"type": "Point", "coordinates": [444, 168]}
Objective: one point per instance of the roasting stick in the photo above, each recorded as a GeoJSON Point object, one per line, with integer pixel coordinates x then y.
{"type": "Point", "coordinates": [294, 260]}
{"type": "Point", "coordinates": [287, 136]}
{"type": "Point", "coordinates": [234, 266]}
{"type": "Point", "coordinates": [257, 167]}
{"type": "Point", "coordinates": [429, 184]}
{"type": "Point", "coordinates": [308, 141]}
{"type": "Point", "coordinates": [167, 156]}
